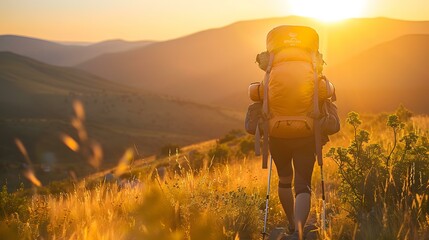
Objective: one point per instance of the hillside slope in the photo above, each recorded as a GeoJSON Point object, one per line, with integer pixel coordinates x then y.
{"type": "Point", "coordinates": [36, 106]}
{"type": "Point", "coordinates": [63, 54]}
{"type": "Point", "coordinates": [31, 75]}
{"type": "Point", "coordinates": [385, 76]}
{"type": "Point", "coordinates": [216, 66]}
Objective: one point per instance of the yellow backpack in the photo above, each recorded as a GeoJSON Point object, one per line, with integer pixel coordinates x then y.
{"type": "Point", "coordinates": [293, 85]}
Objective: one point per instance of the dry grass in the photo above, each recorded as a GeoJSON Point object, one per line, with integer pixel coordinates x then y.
{"type": "Point", "coordinates": [215, 202]}
{"type": "Point", "coordinates": [220, 203]}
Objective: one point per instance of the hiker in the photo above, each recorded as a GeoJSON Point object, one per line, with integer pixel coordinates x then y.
{"type": "Point", "coordinates": [293, 109]}
{"type": "Point", "coordinates": [300, 152]}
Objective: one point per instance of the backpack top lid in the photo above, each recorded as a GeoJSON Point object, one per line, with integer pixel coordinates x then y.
{"type": "Point", "coordinates": [292, 36]}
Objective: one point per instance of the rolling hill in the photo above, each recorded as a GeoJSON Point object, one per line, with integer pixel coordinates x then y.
{"type": "Point", "coordinates": [63, 54]}
{"type": "Point", "coordinates": [36, 106]}
{"type": "Point", "coordinates": [216, 66]}
{"type": "Point", "coordinates": [381, 78]}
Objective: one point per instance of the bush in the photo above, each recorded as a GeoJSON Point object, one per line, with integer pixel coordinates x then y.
{"type": "Point", "coordinates": [232, 135]}
{"type": "Point", "coordinates": [403, 113]}
{"type": "Point", "coordinates": [13, 203]}
{"type": "Point", "coordinates": [196, 160]}
{"type": "Point", "coordinates": [220, 153]}
{"type": "Point", "coordinates": [247, 146]}
{"type": "Point", "coordinates": [385, 188]}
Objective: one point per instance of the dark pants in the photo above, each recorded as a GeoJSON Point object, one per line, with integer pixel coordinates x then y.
{"type": "Point", "coordinates": [301, 152]}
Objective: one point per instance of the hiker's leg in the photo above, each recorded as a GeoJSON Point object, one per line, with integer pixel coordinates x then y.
{"type": "Point", "coordinates": [287, 200]}
{"type": "Point", "coordinates": [302, 209]}
{"type": "Point", "coordinates": [303, 165]}
{"type": "Point", "coordinates": [283, 159]}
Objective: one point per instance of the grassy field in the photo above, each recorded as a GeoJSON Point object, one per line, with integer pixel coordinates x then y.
{"type": "Point", "coordinates": [36, 102]}
{"type": "Point", "coordinates": [376, 174]}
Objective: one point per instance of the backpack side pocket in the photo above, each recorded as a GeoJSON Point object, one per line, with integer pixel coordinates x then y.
{"type": "Point", "coordinates": [253, 117]}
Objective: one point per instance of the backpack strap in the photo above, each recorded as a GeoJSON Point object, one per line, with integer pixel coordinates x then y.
{"type": "Point", "coordinates": [266, 113]}
{"type": "Point", "coordinates": [316, 114]}
{"type": "Point", "coordinates": [258, 140]}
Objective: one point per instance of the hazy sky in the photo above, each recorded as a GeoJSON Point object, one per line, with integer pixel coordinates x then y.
{"type": "Point", "coordinates": [95, 20]}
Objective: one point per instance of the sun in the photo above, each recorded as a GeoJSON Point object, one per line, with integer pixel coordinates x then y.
{"type": "Point", "coordinates": [326, 10]}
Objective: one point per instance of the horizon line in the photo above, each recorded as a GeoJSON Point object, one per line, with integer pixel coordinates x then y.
{"type": "Point", "coordinates": [87, 43]}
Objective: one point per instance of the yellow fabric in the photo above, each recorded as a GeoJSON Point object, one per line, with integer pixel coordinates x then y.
{"type": "Point", "coordinates": [324, 92]}
{"type": "Point", "coordinates": [293, 36]}
{"type": "Point", "coordinates": [292, 54]}
{"type": "Point", "coordinates": [290, 91]}
{"type": "Point", "coordinates": [291, 86]}
{"type": "Point", "coordinates": [291, 80]}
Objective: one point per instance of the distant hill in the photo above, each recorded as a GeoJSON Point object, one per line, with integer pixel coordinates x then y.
{"type": "Point", "coordinates": [385, 76]}
{"type": "Point", "coordinates": [26, 74]}
{"type": "Point", "coordinates": [215, 66]}
{"type": "Point", "coordinates": [63, 54]}
{"type": "Point", "coordinates": [36, 106]}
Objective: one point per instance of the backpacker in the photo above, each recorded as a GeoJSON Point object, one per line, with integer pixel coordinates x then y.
{"type": "Point", "coordinates": [293, 87]}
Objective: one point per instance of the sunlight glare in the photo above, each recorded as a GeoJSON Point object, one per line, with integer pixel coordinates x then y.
{"type": "Point", "coordinates": [70, 142]}
{"type": "Point", "coordinates": [23, 150]}
{"type": "Point", "coordinates": [124, 163]}
{"type": "Point", "coordinates": [78, 108]}
{"type": "Point", "coordinates": [97, 155]}
{"type": "Point", "coordinates": [29, 174]}
{"type": "Point", "coordinates": [327, 10]}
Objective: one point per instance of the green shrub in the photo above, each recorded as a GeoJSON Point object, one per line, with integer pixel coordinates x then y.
{"type": "Point", "coordinates": [11, 203]}
{"type": "Point", "coordinates": [247, 146]}
{"type": "Point", "coordinates": [219, 153]}
{"type": "Point", "coordinates": [403, 113]}
{"type": "Point", "coordinates": [232, 135]}
{"type": "Point", "coordinates": [196, 160]}
{"type": "Point", "coordinates": [386, 188]}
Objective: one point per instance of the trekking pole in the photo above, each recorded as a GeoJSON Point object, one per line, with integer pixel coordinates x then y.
{"type": "Point", "coordinates": [323, 203]}
{"type": "Point", "coordinates": [318, 139]}
{"type": "Point", "coordinates": [320, 162]}
{"type": "Point", "coordinates": [264, 233]}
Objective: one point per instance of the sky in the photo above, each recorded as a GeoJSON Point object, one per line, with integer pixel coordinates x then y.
{"type": "Point", "coordinates": [97, 20]}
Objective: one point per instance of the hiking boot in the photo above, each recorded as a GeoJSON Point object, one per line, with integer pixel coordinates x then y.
{"type": "Point", "coordinates": [280, 233]}
{"type": "Point", "coordinates": [293, 236]}
{"type": "Point", "coordinates": [277, 233]}
{"type": "Point", "coordinates": [290, 229]}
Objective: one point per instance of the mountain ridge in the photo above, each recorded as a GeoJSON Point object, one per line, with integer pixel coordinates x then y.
{"type": "Point", "coordinates": [61, 54]}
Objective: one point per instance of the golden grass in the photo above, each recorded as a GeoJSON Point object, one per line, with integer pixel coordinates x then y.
{"type": "Point", "coordinates": [102, 213]}
{"type": "Point", "coordinates": [220, 203]}
{"type": "Point", "coordinates": [215, 202]}
{"type": "Point", "coordinates": [421, 124]}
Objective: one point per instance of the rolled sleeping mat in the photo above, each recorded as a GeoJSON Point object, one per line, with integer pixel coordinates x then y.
{"type": "Point", "coordinates": [326, 89]}
{"type": "Point", "coordinates": [255, 92]}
